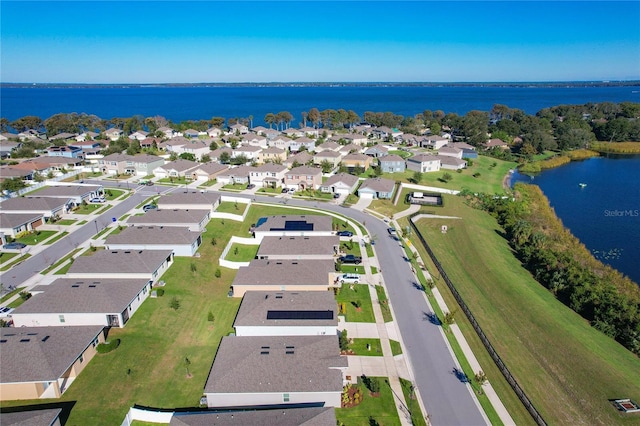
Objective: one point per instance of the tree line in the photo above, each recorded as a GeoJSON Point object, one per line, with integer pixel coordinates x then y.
{"type": "Point", "coordinates": [602, 295]}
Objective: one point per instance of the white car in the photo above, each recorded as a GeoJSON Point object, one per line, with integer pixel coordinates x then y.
{"type": "Point", "coordinates": [350, 278]}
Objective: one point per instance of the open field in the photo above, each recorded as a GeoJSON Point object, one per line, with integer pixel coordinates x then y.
{"type": "Point", "coordinates": [535, 334]}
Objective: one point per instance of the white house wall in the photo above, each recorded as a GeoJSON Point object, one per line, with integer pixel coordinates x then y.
{"type": "Point", "coordinates": [240, 290]}
{"type": "Point", "coordinates": [215, 400]}
{"type": "Point", "coordinates": [53, 320]}
{"type": "Point", "coordinates": [178, 250]}
{"type": "Point", "coordinates": [259, 235]}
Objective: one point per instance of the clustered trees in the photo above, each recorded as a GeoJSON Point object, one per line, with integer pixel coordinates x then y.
{"type": "Point", "coordinates": [599, 293]}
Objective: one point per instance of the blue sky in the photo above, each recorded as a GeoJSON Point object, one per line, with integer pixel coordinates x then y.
{"type": "Point", "coordinates": [171, 42]}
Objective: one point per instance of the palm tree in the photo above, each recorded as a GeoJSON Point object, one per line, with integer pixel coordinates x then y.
{"type": "Point", "coordinates": [270, 118]}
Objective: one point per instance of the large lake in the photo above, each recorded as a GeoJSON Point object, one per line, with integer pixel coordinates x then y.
{"type": "Point", "coordinates": [605, 214]}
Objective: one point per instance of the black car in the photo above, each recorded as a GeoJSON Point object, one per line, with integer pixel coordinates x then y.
{"type": "Point", "coordinates": [344, 234]}
{"type": "Point", "coordinates": [14, 246]}
{"type": "Point", "coordinates": [336, 195]}
{"type": "Point", "coordinates": [285, 190]}
{"type": "Point", "coordinates": [351, 259]}
{"type": "Point", "coordinates": [148, 207]}
{"type": "Point", "coordinates": [251, 186]}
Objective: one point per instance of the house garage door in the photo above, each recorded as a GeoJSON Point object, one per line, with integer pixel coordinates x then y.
{"type": "Point", "coordinates": [366, 195]}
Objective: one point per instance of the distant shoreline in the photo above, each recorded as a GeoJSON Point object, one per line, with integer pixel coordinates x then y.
{"type": "Point", "coordinates": [550, 84]}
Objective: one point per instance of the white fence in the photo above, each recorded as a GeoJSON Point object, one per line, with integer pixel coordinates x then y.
{"type": "Point", "coordinates": [236, 240]}
{"type": "Point", "coordinates": [236, 217]}
{"type": "Point", "coordinates": [149, 416]}
{"type": "Point", "coordinates": [37, 185]}
{"type": "Point", "coordinates": [429, 188]}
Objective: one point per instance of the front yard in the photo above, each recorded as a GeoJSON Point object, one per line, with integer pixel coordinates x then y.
{"type": "Point", "coordinates": [355, 304]}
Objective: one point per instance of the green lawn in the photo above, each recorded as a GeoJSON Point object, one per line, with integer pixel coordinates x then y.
{"type": "Point", "coordinates": [6, 256]}
{"type": "Point", "coordinates": [236, 186]}
{"type": "Point", "coordinates": [66, 222]}
{"type": "Point", "coordinates": [209, 183]}
{"type": "Point", "coordinates": [325, 196]}
{"type": "Point", "coordinates": [242, 252]}
{"type": "Point", "coordinates": [384, 304]}
{"type": "Point", "coordinates": [174, 180]}
{"type": "Point", "coordinates": [568, 369]}
{"type": "Point", "coordinates": [400, 153]}
{"type": "Point", "coordinates": [112, 194]}
{"type": "Point", "coordinates": [56, 238]}
{"type": "Point", "coordinates": [233, 208]}
{"type": "Point", "coordinates": [379, 408]}
{"type": "Point", "coordinates": [270, 191]}
{"type": "Point", "coordinates": [35, 237]}
{"type": "Point", "coordinates": [396, 348]}
{"type": "Point", "coordinates": [350, 247]}
{"type": "Point", "coordinates": [88, 209]}
{"type": "Point", "coordinates": [352, 269]}
{"type": "Point", "coordinates": [387, 208]}
{"type": "Point", "coordinates": [10, 294]}
{"type": "Point", "coordinates": [60, 262]}
{"type": "Point", "coordinates": [360, 293]}
{"type": "Point", "coordinates": [366, 347]}
{"type": "Point", "coordinates": [8, 265]}
{"type": "Point", "coordinates": [417, 419]}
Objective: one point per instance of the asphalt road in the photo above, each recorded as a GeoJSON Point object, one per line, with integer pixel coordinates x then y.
{"type": "Point", "coordinates": [444, 395]}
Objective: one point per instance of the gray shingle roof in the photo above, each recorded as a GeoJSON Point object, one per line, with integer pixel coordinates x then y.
{"type": "Point", "coordinates": [346, 178]}
{"type": "Point", "coordinates": [204, 199]}
{"type": "Point", "coordinates": [167, 217]}
{"type": "Point", "coordinates": [28, 356]}
{"type": "Point", "coordinates": [68, 295]}
{"type": "Point", "coordinates": [256, 305]}
{"type": "Point", "coordinates": [391, 159]}
{"type": "Point", "coordinates": [290, 245]}
{"type": "Point", "coordinates": [211, 168]}
{"type": "Point", "coordinates": [452, 161]}
{"type": "Point", "coordinates": [154, 235]}
{"type": "Point", "coordinates": [277, 364]}
{"type": "Point", "coordinates": [320, 222]}
{"type": "Point", "coordinates": [422, 158]}
{"type": "Point", "coordinates": [180, 165]}
{"type": "Point", "coordinates": [120, 261]}
{"type": "Point", "coordinates": [285, 272]}
{"type": "Point", "coordinates": [305, 171]}
{"type": "Point", "coordinates": [31, 417]}
{"type": "Point", "coordinates": [8, 220]}
{"type": "Point", "coordinates": [309, 416]}
{"type": "Point", "coordinates": [32, 203]}
{"type": "Point", "coordinates": [64, 191]}
{"type": "Point", "coordinates": [378, 185]}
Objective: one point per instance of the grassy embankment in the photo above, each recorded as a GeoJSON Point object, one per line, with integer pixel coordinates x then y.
{"type": "Point", "coordinates": [616, 147]}
{"type": "Point", "coordinates": [557, 161]}
{"type": "Point", "coordinates": [148, 368]}
{"type": "Point", "coordinates": [568, 369]}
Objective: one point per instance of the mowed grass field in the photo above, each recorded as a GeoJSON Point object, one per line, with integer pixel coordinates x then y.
{"type": "Point", "coordinates": [148, 368]}
{"type": "Point", "coordinates": [568, 369]}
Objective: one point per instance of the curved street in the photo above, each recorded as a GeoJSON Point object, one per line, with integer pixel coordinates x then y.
{"type": "Point", "coordinates": [447, 399]}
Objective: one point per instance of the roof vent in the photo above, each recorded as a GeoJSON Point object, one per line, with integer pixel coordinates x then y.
{"type": "Point", "coordinates": [45, 338]}
{"type": "Point", "coordinates": [25, 340]}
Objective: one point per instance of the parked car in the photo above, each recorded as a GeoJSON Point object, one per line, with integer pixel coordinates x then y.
{"type": "Point", "coordinates": [336, 195]}
{"type": "Point", "coordinates": [149, 183]}
{"type": "Point", "coordinates": [251, 186]}
{"type": "Point", "coordinates": [5, 311]}
{"type": "Point", "coordinates": [350, 278]}
{"type": "Point", "coordinates": [350, 258]}
{"type": "Point", "coordinates": [97, 200]}
{"type": "Point", "coordinates": [344, 234]}
{"type": "Point", "coordinates": [292, 190]}
{"type": "Point", "coordinates": [14, 246]}
{"type": "Point", "coordinates": [392, 231]}
{"type": "Point", "coordinates": [148, 207]}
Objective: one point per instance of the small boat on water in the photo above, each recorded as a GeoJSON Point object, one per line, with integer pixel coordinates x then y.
{"type": "Point", "coordinates": [582, 185]}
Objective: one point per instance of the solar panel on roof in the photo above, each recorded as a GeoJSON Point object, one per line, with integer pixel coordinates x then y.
{"type": "Point", "coordinates": [299, 315]}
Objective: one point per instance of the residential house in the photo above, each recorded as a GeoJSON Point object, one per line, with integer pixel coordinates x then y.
{"type": "Point", "coordinates": [8, 147]}
{"type": "Point", "coordinates": [168, 132]}
{"type": "Point", "coordinates": [122, 264]}
{"type": "Point", "coordinates": [50, 417]}
{"type": "Point", "coordinates": [76, 193]}
{"type": "Point", "coordinates": [340, 183]}
{"type": "Point", "coordinates": [253, 139]}
{"type": "Point", "coordinates": [259, 130]}
{"type": "Point", "coordinates": [392, 164]}
{"type": "Point", "coordinates": [301, 144]}
{"type": "Point", "coordinates": [48, 207]}
{"type": "Point", "coordinates": [81, 302]}
{"type": "Point", "coordinates": [176, 169]}
{"type": "Point", "coordinates": [424, 163]}
{"type": "Point", "coordinates": [11, 224]}
{"type": "Point", "coordinates": [182, 241]}
{"type": "Point", "coordinates": [238, 128]}
{"type": "Point", "coordinates": [235, 175]}
{"type": "Point", "coordinates": [293, 225]}
{"type": "Point", "coordinates": [349, 149]}
{"type": "Point", "coordinates": [140, 165]}
{"type": "Point", "coordinates": [351, 161]}
{"type": "Point", "coordinates": [310, 132]}
{"type": "Point", "coordinates": [468, 151]}
{"type": "Point", "coordinates": [377, 151]}
{"type": "Point", "coordinates": [180, 200]}
{"type": "Point", "coordinates": [195, 220]}
{"type": "Point", "coordinates": [273, 133]}
{"type": "Point", "coordinates": [287, 313]}
{"type": "Point", "coordinates": [192, 133]}
{"type": "Point", "coordinates": [272, 155]}
{"type": "Point", "coordinates": [148, 143]}
{"type": "Point", "coordinates": [41, 362]}
{"type": "Point", "coordinates": [299, 247]}
{"type": "Point", "coordinates": [294, 133]}
{"type": "Point", "coordinates": [268, 175]}
{"type": "Point", "coordinates": [259, 371]}
{"type": "Point", "coordinates": [451, 163]}
{"type": "Point", "coordinates": [138, 135]}
{"type": "Point", "coordinates": [496, 143]}
{"type": "Point", "coordinates": [214, 132]}
{"type": "Point", "coordinates": [331, 157]}
{"type": "Point", "coordinates": [328, 146]}
{"type": "Point", "coordinates": [88, 147]}
{"type": "Point", "coordinates": [114, 134]}
{"type": "Point", "coordinates": [172, 145]}
{"type": "Point", "coordinates": [450, 152]}
{"type": "Point", "coordinates": [217, 154]}
{"type": "Point", "coordinates": [208, 171]}
{"type": "Point", "coordinates": [355, 139]}
{"type": "Point", "coordinates": [32, 135]}
{"type": "Point", "coordinates": [377, 188]}
{"type": "Point", "coordinates": [281, 142]}
{"type": "Point", "coordinates": [65, 151]}
{"type": "Point", "coordinates": [86, 136]}
{"type": "Point", "coordinates": [434, 142]}
{"type": "Point", "coordinates": [197, 147]}
{"type": "Point", "coordinates": [45, 164]}
{"type": "Point", "coordinates": [411, 140]}
{"type": "Point", "coordinates": [309, 416]}
{"type": "Point", "coordinates": [248, 151]}
{"type": "Point", "coordinates": [302, 158]}
{"type": "Point", "coordinates": [303, 178]}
